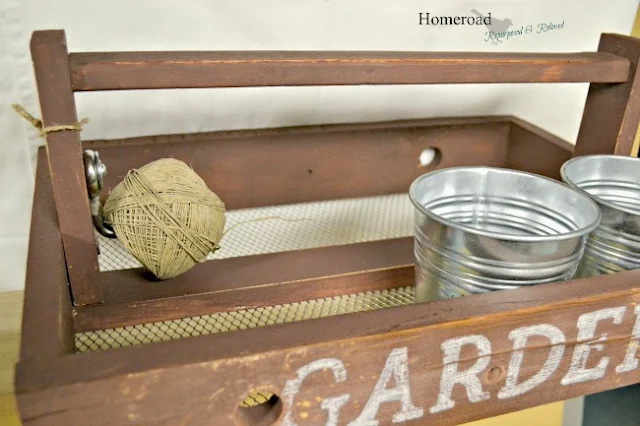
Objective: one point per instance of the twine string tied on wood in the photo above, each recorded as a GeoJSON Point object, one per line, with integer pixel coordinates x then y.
{"type": "Point", "coordinates": [260, 219]}
{"type": "Point", "coordinates": [38, 124]}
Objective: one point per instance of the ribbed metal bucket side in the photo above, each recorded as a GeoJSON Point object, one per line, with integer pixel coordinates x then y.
{"type": "Point", "coordinates": [609, 251]}
{"type": "Point", "coordinates": [443, 273]}
{"type": "Point", "coordinates": [613, 182]}
{"type": "Point", "coordinates": [497, 235]}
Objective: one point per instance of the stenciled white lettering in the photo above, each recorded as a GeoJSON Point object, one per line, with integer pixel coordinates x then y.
{"type": "Point", "coordinates": [397, 365]}
{"type": "Point", "coordinates": [468, 378]}
{"type": "Point", "coordinates": [520, 336]}
{"type": "Point", "coordinates": [332, 405]}
{"type": "Point", "coordinates": [587, 323]}
{"type": "Point", "coordinates": [630, 361]}
{"type": "Point", "coordinates": [394, 385]}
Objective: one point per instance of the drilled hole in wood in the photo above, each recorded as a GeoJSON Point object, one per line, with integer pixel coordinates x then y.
{"type": "Point", "coordinates": [495, 374]}
{"type": "Point", "coordinates": [259, 409]}
{"type": "Point", "coordinates": [430, 157]}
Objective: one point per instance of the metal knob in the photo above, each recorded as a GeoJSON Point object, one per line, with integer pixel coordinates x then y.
{"type": "Point", "coordinates": [95, 171]}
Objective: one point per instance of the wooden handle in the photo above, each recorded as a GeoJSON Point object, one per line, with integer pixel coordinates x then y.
{"type": "Point", "coordinates": [157, 70]}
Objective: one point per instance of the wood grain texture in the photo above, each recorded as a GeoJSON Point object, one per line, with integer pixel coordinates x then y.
{"type": "Point", "coordinates": [547, 415]}
{"type": "Point", "coordinates": [224, 285]}
{"type": "Point", "coordinates": [50, 58]}
{"type": "Point", "coordinates": [10, 319]}
{"type": "Point", "coordinates": [532, 149]}
{"type": "Point", "coordinates": [612, 111]}
{"type": "Point", "coordinates": [250, 282]}
{"type": "Point", "coordinates": [47, 327]}
{"type": "Point", "coordinates": [200, 380]}
{"type": "Point", "coordinates": [293, 165]}
{"type": "Point", "coordinates": [11, 313]}
{"type": "Point", "coordinates": [154, 70]}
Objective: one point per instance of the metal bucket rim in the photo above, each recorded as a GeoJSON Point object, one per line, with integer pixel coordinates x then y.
{"type": "Point", "coordinates": [567, 180]}
{"type": "Point", "coordinates": [501, 236]}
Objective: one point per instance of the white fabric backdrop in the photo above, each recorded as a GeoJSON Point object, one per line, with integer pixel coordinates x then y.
{"type": "Point", "coordinates": [273, 25]}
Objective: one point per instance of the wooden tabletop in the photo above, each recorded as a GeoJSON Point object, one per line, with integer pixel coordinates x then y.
{"type": "Point", "coordinates": [10, 317]}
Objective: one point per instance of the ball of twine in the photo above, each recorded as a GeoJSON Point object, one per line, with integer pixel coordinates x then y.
{"type": "Point", "coordinates": [166, 217]}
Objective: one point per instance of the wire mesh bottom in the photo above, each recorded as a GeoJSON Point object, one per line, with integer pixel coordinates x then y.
{"type": "Point", "coordinates": [326, 223]}
{"type": "Point", "coordinates": [305, 226]}
{"type": "Point", "coordinates": [257, 398]}
{"type": "Point", "coordinates": [141, 334]}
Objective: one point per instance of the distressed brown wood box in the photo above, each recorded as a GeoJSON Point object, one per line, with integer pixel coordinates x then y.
{"type": "Point", "coordinates": [88, 355]}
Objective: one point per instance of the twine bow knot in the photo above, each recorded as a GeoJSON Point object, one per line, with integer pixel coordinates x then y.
{"type": "Point", "coordinates": [38, 124]}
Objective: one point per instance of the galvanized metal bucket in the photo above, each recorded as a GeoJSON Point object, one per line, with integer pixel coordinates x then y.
{"type": "Point", "coordinates": [480, 229]}
{"type": "Point", "coordinates": [613, 182]}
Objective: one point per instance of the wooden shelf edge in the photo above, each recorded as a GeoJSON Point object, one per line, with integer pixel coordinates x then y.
{"type": "Point", "coordinates": [593, 316]}
{"type": "Point", "coordinates": [156, 70]}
